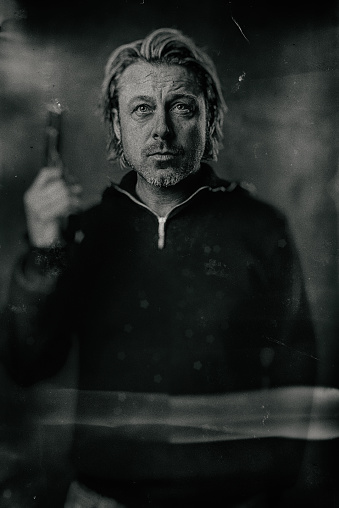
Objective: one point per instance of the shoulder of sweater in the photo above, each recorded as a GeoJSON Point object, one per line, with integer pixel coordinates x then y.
{"type": "Point", "coordinates": [245, 198]}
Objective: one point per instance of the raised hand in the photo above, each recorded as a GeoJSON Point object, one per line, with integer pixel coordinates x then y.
{"type": "Point", "coordinates": [48, 202]}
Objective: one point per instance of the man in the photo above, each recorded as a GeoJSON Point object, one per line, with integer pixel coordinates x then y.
{"type": "Point", "coordinates": [181, 288]}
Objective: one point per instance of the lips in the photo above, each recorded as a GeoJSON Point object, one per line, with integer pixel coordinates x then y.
{"type": "Point", "coordinates": [163, 156]}
{"type": "Point", "coordinates": [171, 154]}
{"type": "Point", "coordinates": [162, 149]}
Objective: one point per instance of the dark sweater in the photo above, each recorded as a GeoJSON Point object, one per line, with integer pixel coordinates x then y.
{"type": "Point", "coordinates": [209, 302]}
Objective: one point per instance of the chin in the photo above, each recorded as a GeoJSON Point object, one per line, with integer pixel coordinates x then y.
{"type": "Point", "coordinates": [166, 178]}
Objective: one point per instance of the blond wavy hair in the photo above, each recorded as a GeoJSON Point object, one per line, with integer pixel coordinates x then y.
{"type": "Point", "coordinates": [171, 47]}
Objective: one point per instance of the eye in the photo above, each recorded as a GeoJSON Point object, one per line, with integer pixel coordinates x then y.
{"type": "Point", "coordinates": [142, 109]}
{"type": "Point", "coordinates": [181, 108]}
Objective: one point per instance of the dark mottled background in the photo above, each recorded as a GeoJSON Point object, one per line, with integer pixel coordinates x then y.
{"type": "Point", "coordinates": [279, 71]}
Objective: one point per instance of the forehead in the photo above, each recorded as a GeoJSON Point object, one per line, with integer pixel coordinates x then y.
{"type": "Point", "coordinates": [143, 78]}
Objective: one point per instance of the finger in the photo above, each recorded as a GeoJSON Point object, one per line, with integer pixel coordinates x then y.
{"type": "Point", "coordinates": [76, 205]}
{"type": "Point", "coordinates": [53, 189]}
{"type": "Point", "coordinates": [59, 191]}
{"type": "Point", "coordinates": [59, 202]}
{"type": "Point", "coordinates": [57, 209]}
{"type": "Point", "coordinates": [36, 199]}
{"type": "Point", "coordinates": [55, 193]}
{"type": "Point", "coordinates": [46, 176]}
{"type": "Point", "coordinates": [76, 189]}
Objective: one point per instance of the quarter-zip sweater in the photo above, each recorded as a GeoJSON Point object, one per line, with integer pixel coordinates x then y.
{"type": "Point", "coordinates": [206, 301]}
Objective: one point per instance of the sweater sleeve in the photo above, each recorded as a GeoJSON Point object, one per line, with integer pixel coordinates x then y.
{"type": "Point", "coordinates": [35, 323]}
{"type": "Point", "coordinates": [290, 333]}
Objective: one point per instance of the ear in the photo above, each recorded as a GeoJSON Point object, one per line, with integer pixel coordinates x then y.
{"type": "Point", "coordinates": [116, 123]}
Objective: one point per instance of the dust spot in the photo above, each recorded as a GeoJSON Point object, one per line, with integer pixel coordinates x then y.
{"type": "Point", "coordinates": [144, 304]}
{"type": "Point", "coordinates": [197, 365]}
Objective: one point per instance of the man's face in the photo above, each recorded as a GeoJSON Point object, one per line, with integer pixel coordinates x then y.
{"type": "Point", "coordinates": [161, 122]}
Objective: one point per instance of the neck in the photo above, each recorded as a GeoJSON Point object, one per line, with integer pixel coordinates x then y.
{"type": "Point", "coordinates": [161, 200]}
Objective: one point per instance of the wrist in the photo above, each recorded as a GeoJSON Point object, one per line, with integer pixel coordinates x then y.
{"type": "Point", "coordinates": [46, 260]}
{"type": "Point", "coordinates": [44, 235]}
{"type": "Point", "coordinates": [39, 269]}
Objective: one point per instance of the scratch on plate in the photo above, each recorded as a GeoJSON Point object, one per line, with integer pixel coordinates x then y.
{"type": "Point", "coordinates": [235, 21]}
{"type": "Point", "coordinates": [294, 349]}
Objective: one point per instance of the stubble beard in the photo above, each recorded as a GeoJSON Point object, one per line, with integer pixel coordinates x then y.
{"type": "Point", "coordinates": [166, 176]}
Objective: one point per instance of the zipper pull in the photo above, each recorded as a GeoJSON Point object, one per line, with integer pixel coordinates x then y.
{"type": "Point", "coordinates": [161, 232]}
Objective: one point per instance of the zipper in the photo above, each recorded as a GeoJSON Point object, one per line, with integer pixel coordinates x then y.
{"type": "Point", "coordinates": [161, 232]}
{"type": "Point", "coordinates": [162, 220]}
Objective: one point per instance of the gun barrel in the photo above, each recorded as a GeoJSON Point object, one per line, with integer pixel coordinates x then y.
{"type": "Point", "coordinates": [53, 135]}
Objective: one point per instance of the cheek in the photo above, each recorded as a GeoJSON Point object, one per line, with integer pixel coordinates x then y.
{"type": "Point", "coordinates": [132, 131]}
{"type": "Point", "coordinates": [131, 137]}
{"type": "Point", "coordinates": [196, 136]}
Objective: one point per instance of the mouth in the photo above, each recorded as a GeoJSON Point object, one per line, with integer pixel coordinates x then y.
{"type": "Point", "coordinates": [163, 156]}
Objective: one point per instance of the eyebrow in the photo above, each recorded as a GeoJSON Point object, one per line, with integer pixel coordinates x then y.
{"type": "Point", "coordinates": [171, 97]}
{"type": "Point", "coordinates": [179, 95]}
{"type": "Point", "coordinates": [146, 98]}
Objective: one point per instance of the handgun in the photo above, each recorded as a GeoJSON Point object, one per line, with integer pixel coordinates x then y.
{"type": "Point", "coordinates": [53, 135]}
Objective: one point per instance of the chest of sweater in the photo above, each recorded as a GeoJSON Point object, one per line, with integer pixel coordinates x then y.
{"type": "Point", "coordinates": [180, 319]}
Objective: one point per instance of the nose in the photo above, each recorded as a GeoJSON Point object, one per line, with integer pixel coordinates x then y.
{"type": "Point", "coordinates": [161, 127]}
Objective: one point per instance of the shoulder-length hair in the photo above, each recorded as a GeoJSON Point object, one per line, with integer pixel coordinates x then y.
{"type": "Point", "coordinates": [171, 47]}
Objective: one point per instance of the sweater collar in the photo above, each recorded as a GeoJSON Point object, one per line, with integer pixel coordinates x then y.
{"type": "Point", "coordinates": [205, 177]}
